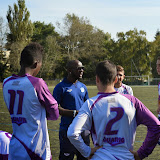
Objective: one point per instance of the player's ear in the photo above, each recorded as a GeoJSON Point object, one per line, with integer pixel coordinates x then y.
{"type": "Point", "coordinates": [97, 79]}
{"type": "Point", "coordinates": [34, 65]}
{"type": "Point", "coordinates": [116, 79]}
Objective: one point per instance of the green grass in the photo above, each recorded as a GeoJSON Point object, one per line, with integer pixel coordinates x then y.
{"type": "Point", "coordinates": [147, 94]}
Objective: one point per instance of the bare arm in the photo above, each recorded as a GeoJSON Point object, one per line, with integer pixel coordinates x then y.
{"type": "Point", "coordinates": [158, 109]}
{"type": "Point", "coordinates": [93, 150]}
{"type": "Point", "coordinates": [67, 112]}
{"type": "Point", "coordinates": [136, 156]}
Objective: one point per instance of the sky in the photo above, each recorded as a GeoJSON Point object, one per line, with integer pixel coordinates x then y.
{"type": "Point", "coordinates": [111, 16]}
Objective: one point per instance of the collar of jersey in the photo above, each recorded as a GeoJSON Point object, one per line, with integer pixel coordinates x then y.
{"type": "Point", "coordinates": [107, 93]}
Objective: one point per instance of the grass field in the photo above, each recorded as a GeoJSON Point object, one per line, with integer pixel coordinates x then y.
{"type": "Point", "coordinates": [147, 94]}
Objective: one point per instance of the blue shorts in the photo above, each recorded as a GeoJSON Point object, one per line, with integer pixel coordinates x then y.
{"type": "Point", "coordinates": [67, 150]}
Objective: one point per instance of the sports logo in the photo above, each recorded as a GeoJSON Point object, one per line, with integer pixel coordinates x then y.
{"type": "Point", "coordinates": [114, 141]}
{"type": "Point", "coordinates": [82, 89]}
{"type": "Point", "coordinates": [69, 90]}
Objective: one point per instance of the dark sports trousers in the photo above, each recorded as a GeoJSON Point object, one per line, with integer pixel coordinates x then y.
{"type": "Point", "coordinates": [67, 150]}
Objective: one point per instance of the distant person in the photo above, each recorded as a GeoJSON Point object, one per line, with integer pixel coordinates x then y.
{"type": "Point", "coordinates": [70, 95]}
{"type": "Point", "coordinates": [30, 104]}
{"type": "Point", "coordinates": [113, 119]}
{"type": "Point", "coordinates": [158, 71]}
{"type": "Point", "coordinates": [5, 138]}
{"type": "Point", "coordinates": [119, 86]}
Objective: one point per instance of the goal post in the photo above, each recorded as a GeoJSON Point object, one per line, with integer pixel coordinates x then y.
{"type": "Point", "coordinates": [137, 80]}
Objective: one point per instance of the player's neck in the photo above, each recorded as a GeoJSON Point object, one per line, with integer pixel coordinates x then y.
{"type": "Point", "coordinates": [117, 85]}
{"type": "Point", "coordinates": [106, 89]}
{"type": "Point", "coordinates": [24, 71]}
{"type": "Point", "coordinates": [72, 79]}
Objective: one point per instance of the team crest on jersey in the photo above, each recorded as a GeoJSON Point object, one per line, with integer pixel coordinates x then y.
{"type": "Point", "coordinates": [69, 90]}
{"type": "Point", "coordinates": [15, 83]}
{"type": "Point", "coordinates": [82, 89]}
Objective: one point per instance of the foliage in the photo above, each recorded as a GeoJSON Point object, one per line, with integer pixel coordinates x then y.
{"type": "Point", "coordinates": [51, 57]}
{"type": "Point", "coordinates": [131, 50]}
{"type": "Point", "coordinates": [4, 66]}
{"type": "Point", "coordinates": [155, 49]}
{"type": "Point", "coordinates": [78, 39]}
{"type": "Point", "coordinates": [46, 35]}
{"type": "Point", "coordinates": [42, 31]}
{"type": "Point", "coordinates": [21, 30]}
{"type": "Point", "coordinates": [82, 41]}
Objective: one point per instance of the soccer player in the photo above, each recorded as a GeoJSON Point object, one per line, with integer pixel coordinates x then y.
{"type": "Point", "coordinates": [119, 86]}
{"type": "Point", "coordinates": [158, 71]}
{"type": "Point", "coordinates": [112, 119]}
{"type": "Point", "coordinates": [30, 104]}
{"type": "Point", "coordinates": [70, 95]}
{"type": "Point", "coordinates": [4, 144]}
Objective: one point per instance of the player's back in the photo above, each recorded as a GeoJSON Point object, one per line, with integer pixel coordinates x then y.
{"type": "Point", "coordinates": [28, 117]}
{"type": "Point", "coordinates": [114, 125]}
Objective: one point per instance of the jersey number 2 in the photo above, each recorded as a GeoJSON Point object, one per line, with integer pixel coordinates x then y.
{"type": "Point", "coordinates": [119, 115]}
{"type": "Point", "coordinates": [13, 95]}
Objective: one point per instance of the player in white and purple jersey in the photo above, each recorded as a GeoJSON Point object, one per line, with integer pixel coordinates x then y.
{"type": "Point", "coordinates": [112, 119]}
{"type": "Point", "coordinates": [158, 71]}
{"type": "Point", "coordinates": [119, 86]}
{"type": "Point", "coordinates": [4, 144]}
{"type": "Point", "coordinates": [30, 104]}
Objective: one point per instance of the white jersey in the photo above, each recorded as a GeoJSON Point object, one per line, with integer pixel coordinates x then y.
{"type": "Point", "coordinates": [124, 89]}
{"type": "Point", "coordinates": [112, 119]}
{"type": "Point", "coordinates": [4, 142]}
{"type": "Point", "coordinates": [29, 102]}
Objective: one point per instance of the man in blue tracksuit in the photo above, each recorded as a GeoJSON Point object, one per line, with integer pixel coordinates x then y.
{"type": "Point", "coordinates": [70, 95]}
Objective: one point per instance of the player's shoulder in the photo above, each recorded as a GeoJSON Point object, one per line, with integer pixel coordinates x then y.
{"type": "Point", "coordinates": [61, 84]}
{"type": "Point", "coordinates": [131, 98]}
{"type": "Point", "coordinates": [5, 135]}
{"type": "Point", "coordinates": [81, 84]}
{"type": "Point", "coordinates": [7, 79]}
{"type": "Point", "coordinates": [36, 81]}
{"type": "Point", "coordinates": [126, 86]}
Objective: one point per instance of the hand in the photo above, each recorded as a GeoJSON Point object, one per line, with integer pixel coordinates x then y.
{"type": "Point", "coordinates": [136, 156]}
{"type": "Point", "coordinates": [93, 150]}
{"type": "Point", "coordinates": [158, 109]}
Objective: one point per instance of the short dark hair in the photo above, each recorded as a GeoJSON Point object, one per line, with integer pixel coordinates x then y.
{"type": "Point", "coordinates": [72, 63]}
{"type": "Point", "coordinates": [158, 58]}
{"type": "Point", "coordinates": [106, 71]}
{"type": "Point", "coordinates": [30, 53]}
{"type": "Point", "coordinates": [120, 68]}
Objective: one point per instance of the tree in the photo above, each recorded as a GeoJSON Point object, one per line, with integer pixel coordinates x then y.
{"type": "Point", "coordinates": [132, 51]}
{"type": "Point", "coordinates": [42, 31]}
{"type": "Point", "coordinates": [80, 40]}
{"type": "Point", "coordinates": [155, 50]}
{"type": "Point", "coordinates": [46, 35]}
{"type": "Point", "coordinates": [4, 66]}
{"type": "Point", "coordinates": [51, 58]}
{"type": "Point", "coordinates": [21, 30]}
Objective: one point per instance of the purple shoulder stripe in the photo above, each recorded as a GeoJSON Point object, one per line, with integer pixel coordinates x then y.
{"type": "Point", "coordinates": [131, 98]}
{"type": "Point", "coordinates": [45, 98]}
{"type": "Point", "coordinates": [100, 97]}
{"type": "Point", "coordinates": [11, 78]}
